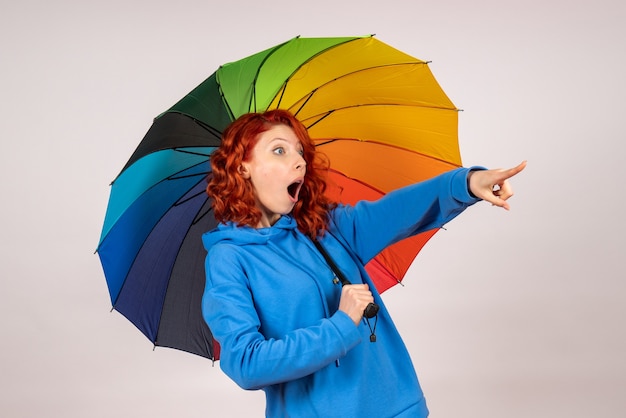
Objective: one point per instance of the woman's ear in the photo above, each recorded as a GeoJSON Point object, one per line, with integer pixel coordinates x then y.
{"type": "Point", "coordinates": [243, 170]}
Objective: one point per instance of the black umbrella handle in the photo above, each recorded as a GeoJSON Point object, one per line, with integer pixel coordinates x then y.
{"type": "Point", "coordinates": [371, 310]}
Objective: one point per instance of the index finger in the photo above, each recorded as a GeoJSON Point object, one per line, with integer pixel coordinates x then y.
{"type": "Point", "coordinates": [506, 174]}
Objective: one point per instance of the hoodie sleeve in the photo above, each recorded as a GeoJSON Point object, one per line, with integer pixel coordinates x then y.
{"type": "Point", "coordinates": [247, 357]}
{"type": "Point", "coordinates": [370, 227]}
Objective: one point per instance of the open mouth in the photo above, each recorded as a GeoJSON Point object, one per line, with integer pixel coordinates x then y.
{"type": "Point", "coordinates": [294, 189]}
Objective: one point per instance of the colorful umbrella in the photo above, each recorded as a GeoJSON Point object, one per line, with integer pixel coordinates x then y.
{"type": "Point", "coordinates": [376, 112]}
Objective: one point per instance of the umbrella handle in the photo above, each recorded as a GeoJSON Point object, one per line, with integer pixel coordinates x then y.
{"type": "Point", "coordinates": [371, 310]}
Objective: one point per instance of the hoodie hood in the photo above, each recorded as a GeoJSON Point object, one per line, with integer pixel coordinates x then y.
{"type": "Point", "coordinates": [246, 235]}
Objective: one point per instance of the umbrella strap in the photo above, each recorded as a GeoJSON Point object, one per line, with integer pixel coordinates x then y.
{"type": "Point", "coordinates": [371, 311]}
{"type": "Point", "coordinates": [372, 329]}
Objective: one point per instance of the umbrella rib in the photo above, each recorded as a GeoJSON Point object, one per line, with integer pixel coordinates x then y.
{"type": "Point", "coordinates": [180, 202]}
{"type": "Point", "coordinates": [321, 118]}
{"type": "Point", "coordinates": [204, 173]}
{"type": "Point", "coordinates": [331, 140]}
{"type": "Point", "coordinates": [356, 180]}
{"type": "Point", "coordinates": [208, 127]}
{"type": "Point", "coordinates": [231, 115]}
{"type": "Point", "coordinates": [305, 102]}
{"type": "Point", "coordinates": [184, 151]}
{"type": "Point", "coordinates": [338, 109]}
{"type": "Point", "coordinates": [282, 94]}
{"type": "Point", "coordinates": [199, 218]}
{"type": "Point", "coordinates": [206, 212]}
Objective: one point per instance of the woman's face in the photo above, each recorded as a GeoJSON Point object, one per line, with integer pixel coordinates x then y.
{"type": "Point", "coordinates": [276, 170]}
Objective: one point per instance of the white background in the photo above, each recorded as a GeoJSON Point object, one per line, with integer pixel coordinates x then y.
{"type": "Point", "coordinates": [507, 314]}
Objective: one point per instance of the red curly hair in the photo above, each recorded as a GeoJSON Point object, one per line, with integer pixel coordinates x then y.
{"type": "Point", "coordinates": [233, 198]}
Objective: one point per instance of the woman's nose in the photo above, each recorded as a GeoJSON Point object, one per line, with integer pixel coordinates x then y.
{"type": "Point", "coordinates": [300, 162]}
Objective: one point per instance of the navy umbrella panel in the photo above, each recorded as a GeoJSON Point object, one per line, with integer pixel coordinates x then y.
{"type": "Point", "coordinates": [182, 304]}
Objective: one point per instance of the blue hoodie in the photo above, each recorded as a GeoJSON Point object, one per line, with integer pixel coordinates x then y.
{"type": "Point", "coordinates": [271, 302]}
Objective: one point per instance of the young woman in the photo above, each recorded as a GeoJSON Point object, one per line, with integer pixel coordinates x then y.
{"type": "Point", "coordinates": [284, 323]}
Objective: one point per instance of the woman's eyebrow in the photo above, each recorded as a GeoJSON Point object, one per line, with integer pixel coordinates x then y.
{"type": "Point", "coordinates": [281, 139]}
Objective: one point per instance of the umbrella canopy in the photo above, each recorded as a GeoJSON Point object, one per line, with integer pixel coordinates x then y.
{"type": "Point", "coordinates": [376, 112]}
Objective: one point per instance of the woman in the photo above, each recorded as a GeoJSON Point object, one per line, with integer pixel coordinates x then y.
{"type": "Point", "coordinates": [283, 322]}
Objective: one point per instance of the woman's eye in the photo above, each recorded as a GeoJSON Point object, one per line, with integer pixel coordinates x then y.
{"type": "Point", "coordinates": [279, 150]}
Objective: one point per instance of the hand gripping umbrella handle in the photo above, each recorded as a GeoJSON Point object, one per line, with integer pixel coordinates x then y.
{"type": "Point", "coordinates": [371, 310]}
